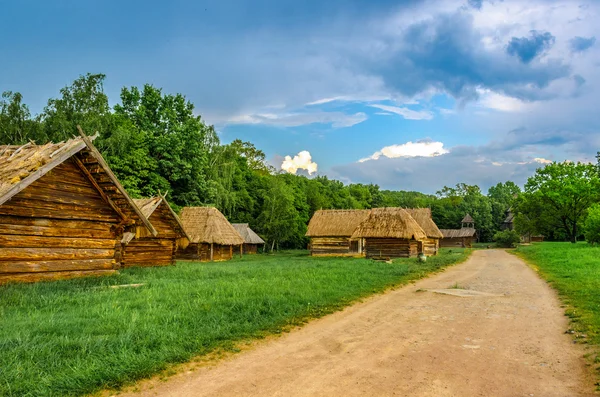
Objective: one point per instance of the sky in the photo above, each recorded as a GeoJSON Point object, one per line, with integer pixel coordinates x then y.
{"type": "Point", "coordinates": [409, 95]}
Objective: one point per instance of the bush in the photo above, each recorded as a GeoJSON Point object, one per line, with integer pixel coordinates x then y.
{"type": "Point", "coordinates": [507, 238]}
{"type": "Point", "coordinates": [592, 225]}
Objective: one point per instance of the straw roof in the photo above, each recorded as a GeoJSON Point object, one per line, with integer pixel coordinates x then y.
{"type": "Point", "coordinates": [468, 219]}
{"type": "Point", "coordinates": [20, 166]}
{"type": "Point", "coordinates": [458, 233]}
{"type": "Point", "coordinates": [389, 223]}
{"type": "Point", "coordinates": [335, 223]}
{"type": "Point", "coordinates": [209, 225]}
{"type": "Point", "coordinates": [423, 218]}
{"type": "Point", "coordinates": [249, 236]}
{"type": "Point", "coordinates": [148, 205]}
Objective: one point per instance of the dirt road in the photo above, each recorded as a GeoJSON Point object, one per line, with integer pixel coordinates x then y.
{"type": "Point", "coordinates": [505, 337]}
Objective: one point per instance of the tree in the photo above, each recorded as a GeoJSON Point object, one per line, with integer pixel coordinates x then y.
{"type": "Point", "coordinates": [561, 193]}
{"type": "Point", "coordinates": [592, 225]}
{"type": "Point", "coordinates": [502, 197]}
{"type": "Point", "coordinates": [507, 238]}
{"type": "Point", "coordinates": [16, 125]}
{"type": "Point", "coordinates": [278, 217]}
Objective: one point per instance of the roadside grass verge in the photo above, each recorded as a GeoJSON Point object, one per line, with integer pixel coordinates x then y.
{"type": "Point", "coordinates": [574, 271]}
{"type": "Point", "coordinates": [75, 337]}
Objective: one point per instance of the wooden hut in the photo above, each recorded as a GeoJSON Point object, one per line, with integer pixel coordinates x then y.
{"type": "Point", "coordinates": [63, 213]}
{"type": "Point", "coordinates": [431, 244]}
{"type": "Point", "coordinates": [251, 239]}
{"type": "Point", "coordinates": [211, 236]}
{"type": "Point", "coordinates": [458, 237]}
{"type": "Point", "coordinates": [144, 249]}
{"type": "Point", "coordinates": [390, 233]}
{"type": "Point", "coordinates": [508, 223]}
{"type": "Point", "coordinates": [330, 232]}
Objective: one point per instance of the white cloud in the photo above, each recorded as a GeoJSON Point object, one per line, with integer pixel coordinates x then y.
{"type": "Point", "coordinates": [408, 114]}
{"type": "Point", "coordinates": [542, 160]}
{"type": "Point", "coordinates": [493, 100]}
{"type": "Point", "coordinates": [336, 119]}
{"type": "Point", "coordinates": [302, 160]}
{"type": "Point", "coordinates": [409, 149]}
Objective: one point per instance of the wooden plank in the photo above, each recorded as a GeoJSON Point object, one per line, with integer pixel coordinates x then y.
{"type": "Point", "coordinates": [55, 223]}
{"type": "Point", "coordinates": [48, 276]}
{"type": "Point", "coordinates": [55, 266]}
{"type": "Point", "coordinates": [12, 241]}
{"type": "Point", "coordinates": [30, 254]}
{"type": "Point", "coordinates": [55, 213]}
{"type": "Point", "coordinates": [25, 230]}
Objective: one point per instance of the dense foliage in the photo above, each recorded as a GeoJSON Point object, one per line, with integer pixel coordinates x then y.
{"type": "Point", "coordinates": [507, 238]}
{"type": "Point", "coordinates": [592, 225]}
{"type": "Point", "coordinates": [156, 142]}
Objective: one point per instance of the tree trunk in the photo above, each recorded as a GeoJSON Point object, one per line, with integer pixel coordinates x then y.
{"type": "Point", "coordinates": [272, 246]}
{"type": "Point", "coordinates": [574, 233]}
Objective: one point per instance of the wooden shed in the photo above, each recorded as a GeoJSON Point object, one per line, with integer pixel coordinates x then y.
{"type": "Point", "coordinates": [431, 244]}
{"type": "Point", "coordinates": [62, 212]}
{"type": "Point", "coordinates": [251, 239]}
{"type": "Point", "coordinates": [390, 233]}
{"type": "Point", "coordinates": [144, 249]}
{"type": "Point", "coordinates": [211, 235]}
{"type": "Point", "coordinates": [330, 232]}
{"type": "Point", "coordinates": [458, 237]}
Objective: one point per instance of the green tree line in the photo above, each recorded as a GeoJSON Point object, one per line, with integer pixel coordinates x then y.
{"type": "Point", "coordinates": [155, 141]}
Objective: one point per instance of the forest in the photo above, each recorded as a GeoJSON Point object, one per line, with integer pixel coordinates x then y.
{"type": "Point", "coordinates": [155, 141]}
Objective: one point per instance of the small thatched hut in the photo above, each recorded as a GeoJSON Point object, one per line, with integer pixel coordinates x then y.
{"type": "Point", "coordinates": [458, 237]}
{"type": "Point", "coordinates": [390, 232]}
{"type": "Point", "coordinates": [431, 244]}
{"type": "Point", "coordinates": [63, 212]}
{"type": "Point", "coordinates": [330, 232]}
{"type": "Point", "coordinates": [211, 235]}
{"type": "Point", "coordinates": [144, 249]}
{"type": "Point", "coordinates": [251, 239]}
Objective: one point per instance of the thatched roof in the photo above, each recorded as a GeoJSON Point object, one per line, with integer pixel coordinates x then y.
{"type": "Point", "coordinates": [389, 223]}
{"type": "Point", "coordinates": [467, 219]}
{"type": "Point", "coordinates": [249, 236]}
{"type": "Point", "coordinates": [458, 233]}
{"type": "Point", "coordinates": [335, 223]}
{"type": "Point", "coordinates": [149, 205]}
{"type": "Point", "coordinates": [209, 225]}
{"type": "Point", "coordinates": [423, 218]}
{"type": "Point", "coordinates": [20, 166]}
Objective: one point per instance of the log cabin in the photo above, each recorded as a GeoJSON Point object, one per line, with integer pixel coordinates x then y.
{"type": "Point", "coordinates": [63, 212]}
{"type": "Point", "coordinates": [430, 245]}
{"type": "Point", "coordinates": [212, 238]}
{"type": "Point", "coordinates": [330, 232]}
{"type": "Point", "coordinates": [462, 238]}
{"type": "Point", "coordinates": [145, 249]}
{"type": "Point", "coordinates": [390, 233]}
{"type": "Point", "coordinates": [251, 239]}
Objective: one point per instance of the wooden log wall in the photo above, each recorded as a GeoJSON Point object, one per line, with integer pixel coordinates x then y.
{"type": "Point", "coordinates": [201, 252]}
{"type": "Point", "coordinates": [250, 249]}
{"type": "Point", "coordinates": [457, 242]}
{"type": "Point", "coordinates": [391, 247]}
{"type": "Point", "coordinates": [329, 246]}
{"type": "Point", "coordinates": [58, 227]}
{"type": "Point", "coordinates": [429, 246]}
{"type": "Point", "coordinates": [149, 252]}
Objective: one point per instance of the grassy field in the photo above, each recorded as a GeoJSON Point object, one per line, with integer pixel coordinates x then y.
{"type": "Point", "coordinates": [574, 270]}
{"type": "Point", "coordinates": [75, 337]}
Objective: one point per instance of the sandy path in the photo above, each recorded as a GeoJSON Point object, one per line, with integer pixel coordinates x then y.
{"type": "Point", "coordinates": [508, 341]}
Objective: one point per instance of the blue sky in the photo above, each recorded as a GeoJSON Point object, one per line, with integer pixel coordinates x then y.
{"type": "Point", "coordinates": [409, 95]}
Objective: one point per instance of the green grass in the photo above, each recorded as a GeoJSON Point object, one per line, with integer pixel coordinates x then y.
{"type": "Point", "coordinates": [76, 337]}
{"type": "Point", "coordinates": [574, 271]}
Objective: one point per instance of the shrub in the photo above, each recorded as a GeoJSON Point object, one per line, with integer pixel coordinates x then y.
{"type": "Point", "coordinates": [507, 238]}
{"type": "Point", "coordinates": [592, 225]}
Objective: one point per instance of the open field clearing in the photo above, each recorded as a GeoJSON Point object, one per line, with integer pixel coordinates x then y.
{"type": "Point", "coordinates": [78, 336]}
{"type": "Point", "coordinates": [574, 270]}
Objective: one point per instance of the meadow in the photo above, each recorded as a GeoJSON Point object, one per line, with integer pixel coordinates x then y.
{"type": "Point", "coordinates": [574, 271]}
{"type": "Point", "coordinates": [75, 337]}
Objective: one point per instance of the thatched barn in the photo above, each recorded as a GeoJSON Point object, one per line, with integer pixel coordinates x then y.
{"type": "Point", "coordinates": [211, 235]}
{"type": "Point", "coordinates": [330, 232]}
{"type": "Point", "coordinates": [63, 213]}
{"type": "Point", "coordinates": [145, 249]}
{"type": "Point", "coordinates": [431, 244]}
{"type": "Point", "coordinates": [251, 239]}
{"type": "Point", "coordinates": [390, 233]}
{"type": "Point", "coordinates": [458, 237]}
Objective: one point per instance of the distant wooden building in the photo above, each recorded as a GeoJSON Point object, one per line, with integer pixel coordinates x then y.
{"type": "Point", "coordinates": [391, 233]}
{"type": "Point", "coordinates": [211, 235]}
{"type": "Point", "coordinates": [251, 239]}
{"type": "Point", "coordinates": [145, 249]}
{"type": "Point", "coordinates": [63, 213]}
{"type": "Point", "coordinates": [330, 232]}
{"type": "Point", "coordinates": [508, 223]}
{"type": "Point", "coordinates": [462, 237]}
{"type": "Point", "coordinates": [430, 245]}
